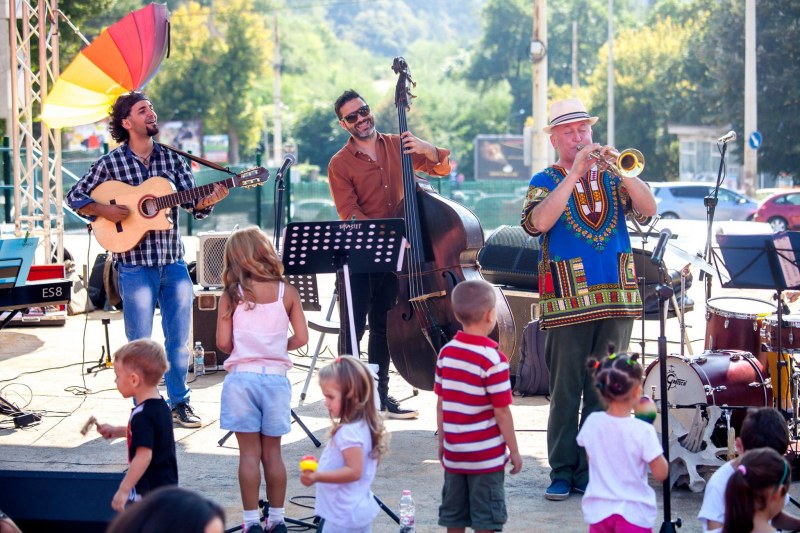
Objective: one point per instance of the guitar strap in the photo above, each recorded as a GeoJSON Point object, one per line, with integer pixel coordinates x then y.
{"type": "Point", "coordinates": [204, 162]}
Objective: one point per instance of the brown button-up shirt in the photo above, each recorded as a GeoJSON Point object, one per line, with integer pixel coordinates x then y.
{"type": "Point", "coordinates": [365, 188]}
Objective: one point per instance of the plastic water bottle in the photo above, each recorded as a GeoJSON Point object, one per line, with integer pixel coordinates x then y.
{"type": "Point", "coordinates": [407, 513]}
{"type": "Point", "coordinates": [199, 359]}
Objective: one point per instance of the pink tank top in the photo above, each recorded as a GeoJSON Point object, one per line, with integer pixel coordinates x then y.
{"type": "Point", "coordinates": [260, 334]}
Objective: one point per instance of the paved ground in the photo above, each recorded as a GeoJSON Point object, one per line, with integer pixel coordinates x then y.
{"type": "Point", "coordinates": [42, 369]}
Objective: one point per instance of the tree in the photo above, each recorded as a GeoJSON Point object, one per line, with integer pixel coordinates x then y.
{"type": "Point", "coordinates": [218, 56]}
{"type": "Point", "coordinates": [721, 53]}
{"type": "Point", "coordinates": [650, 89]}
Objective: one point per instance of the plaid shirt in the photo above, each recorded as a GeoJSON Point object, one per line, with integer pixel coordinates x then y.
{"type": "Point", "coordinates": [158, 247]}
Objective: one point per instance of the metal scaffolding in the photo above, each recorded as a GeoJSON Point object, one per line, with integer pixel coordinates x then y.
{"type": "Point", "coordinates": [38, 193]}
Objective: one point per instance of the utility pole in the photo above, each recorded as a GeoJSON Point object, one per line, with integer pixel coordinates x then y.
{"type": "Point", "coordinates": [277, 140]}
{"type": "Point", "coordinates": [611, 118]}
{"type": "Point", "coordinates": [750, 98]}
{"type": "Point", "coordinates": [575, 58]}
{"type": "Point", "coordinates": [539, 59]}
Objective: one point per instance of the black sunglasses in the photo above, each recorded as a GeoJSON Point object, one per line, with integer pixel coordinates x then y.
{"type": "Point", "coordinates": [352, 117]}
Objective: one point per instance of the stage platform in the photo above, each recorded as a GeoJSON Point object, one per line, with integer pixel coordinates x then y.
{"type": "Point", "coordinates": [42, 369]}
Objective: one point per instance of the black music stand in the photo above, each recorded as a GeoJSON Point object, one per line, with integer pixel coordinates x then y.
{"type": "Point", "coordinates": [360, 247]}
{"type": "Point", "coordinates": [765, 261]}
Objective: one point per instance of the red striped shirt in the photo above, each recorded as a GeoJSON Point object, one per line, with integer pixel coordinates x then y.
{"type": "Point", "coordinates": [472, 378]}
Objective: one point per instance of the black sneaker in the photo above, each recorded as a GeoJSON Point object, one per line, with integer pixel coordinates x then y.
{"type": "Point", "coordinates": [184, 415]}
{"type": "Point", "coordinates": [255, 528]}
{"type": "Point", "coordinates": [391, 409]}
{"type": "Point", "coordinates": [280, 527]}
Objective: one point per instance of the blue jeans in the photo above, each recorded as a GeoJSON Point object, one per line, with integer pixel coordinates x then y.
{"type": "Point", "coordinates": [169, 285]}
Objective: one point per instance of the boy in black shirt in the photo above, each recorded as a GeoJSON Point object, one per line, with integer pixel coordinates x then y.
{"type": "Point", "coordinates": [139, 366]}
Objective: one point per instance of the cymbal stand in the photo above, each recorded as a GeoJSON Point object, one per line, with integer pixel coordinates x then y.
{"type": "Point", "coordinates": [641, 278]}
{"type": "Point", "coordinates": [105, 353]}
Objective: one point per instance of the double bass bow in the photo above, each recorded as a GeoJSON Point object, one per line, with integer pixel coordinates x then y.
{"type": "Point", "coordinates": [444, 239]}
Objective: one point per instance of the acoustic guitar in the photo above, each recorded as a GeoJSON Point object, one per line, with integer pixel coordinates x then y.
{"type": "Point", "coordinates": [149, 203]}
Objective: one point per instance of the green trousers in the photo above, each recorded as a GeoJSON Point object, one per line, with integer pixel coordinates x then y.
{"type": "Point", "coordinates": [567, 350]}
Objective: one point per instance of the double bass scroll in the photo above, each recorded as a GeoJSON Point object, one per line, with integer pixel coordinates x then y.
{"type": "Point", "coordinates": [444, 240]}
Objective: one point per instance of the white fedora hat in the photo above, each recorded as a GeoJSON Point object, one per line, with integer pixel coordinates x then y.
{"type": "Point", "coordinates": [566, 111]}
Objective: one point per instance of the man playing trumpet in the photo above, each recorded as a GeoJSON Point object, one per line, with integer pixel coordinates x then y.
{"type": "Point", "coordinates": [588, 289]}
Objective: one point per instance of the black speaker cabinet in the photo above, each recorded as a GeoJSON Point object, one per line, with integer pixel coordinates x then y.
{"type": "Point", "coordinates": [58, 501]}
{"type": "Point", "coordinates": [510, 257]}
{"type": "Point", "coordinates": [523, 306]}
{"type": "Point", "coordinates": [204, 325]}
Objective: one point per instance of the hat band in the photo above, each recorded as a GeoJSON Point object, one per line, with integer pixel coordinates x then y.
{"type": "Point", "coordinates": [570, 117]}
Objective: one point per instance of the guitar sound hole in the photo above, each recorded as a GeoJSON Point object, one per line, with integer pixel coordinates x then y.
{"type": "Point", "coordinates": [149, 207]}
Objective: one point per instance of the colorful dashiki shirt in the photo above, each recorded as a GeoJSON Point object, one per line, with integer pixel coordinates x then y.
{"type": "Point", "coordinates": [586, 269]}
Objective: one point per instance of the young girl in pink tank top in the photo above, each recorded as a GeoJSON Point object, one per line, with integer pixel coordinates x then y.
{"type": "Point", "coordinates": [255, 312]}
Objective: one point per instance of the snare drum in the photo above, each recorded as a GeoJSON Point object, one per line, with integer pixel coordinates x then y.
{"type": "Point", "coordinates": [734, 323]}
{"type": "Point", "coordinates": [790, 333]}
{"type": "Point", "coordinates": [727, 377]}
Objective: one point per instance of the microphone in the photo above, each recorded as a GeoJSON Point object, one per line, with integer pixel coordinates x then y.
{"type": "Point", "coordinates": [288, 161]}
{"type": "Point", "coordinates": [728, 137]}
{"type": "Point", "coordinates": [661, 245]}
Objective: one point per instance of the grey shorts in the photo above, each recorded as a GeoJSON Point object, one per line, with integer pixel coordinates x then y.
{"type": "Point", "coordinates": [473, 500]}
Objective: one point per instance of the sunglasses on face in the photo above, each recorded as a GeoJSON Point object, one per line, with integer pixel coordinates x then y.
{"type": "Point", "coordinates": [352, 117]}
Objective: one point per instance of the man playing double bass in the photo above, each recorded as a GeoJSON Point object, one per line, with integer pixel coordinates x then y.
{"type": "Point", "coordinates": [366, 181]}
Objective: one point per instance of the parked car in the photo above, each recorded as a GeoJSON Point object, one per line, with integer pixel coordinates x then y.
{"type": "Point", "coordinates": [781, 211]}
{"type": "Point", "coordinates": [313, 210]}
{"type": "Point", "coordinates": [685, 200]}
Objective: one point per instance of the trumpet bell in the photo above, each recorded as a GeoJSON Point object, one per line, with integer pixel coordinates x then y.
{"type": "Point", "coordinates": [630, 163]}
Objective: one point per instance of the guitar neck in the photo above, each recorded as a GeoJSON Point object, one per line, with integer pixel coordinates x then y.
{"type": "Point", "coordinates": [190, 195]}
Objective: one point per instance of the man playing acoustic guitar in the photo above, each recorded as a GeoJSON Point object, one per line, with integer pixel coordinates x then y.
{"type": "Point", "coordinates": [153, 270]}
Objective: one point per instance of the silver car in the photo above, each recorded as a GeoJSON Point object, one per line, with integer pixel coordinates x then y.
{"type": "Point", "coordinates": [685, 200]}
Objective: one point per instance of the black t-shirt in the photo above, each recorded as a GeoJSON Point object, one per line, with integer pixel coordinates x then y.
{"type": "Point", "coordinates": [150, 426]}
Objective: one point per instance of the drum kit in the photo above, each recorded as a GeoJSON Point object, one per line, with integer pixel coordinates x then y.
{"type": "Point", "coordinates": [738, 369]}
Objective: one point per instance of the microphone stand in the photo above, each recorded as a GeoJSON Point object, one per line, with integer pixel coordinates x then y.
{"type": "Point", "coordinates": [665, 292]}
{"type": "Point", "coordinates": [711, 204]}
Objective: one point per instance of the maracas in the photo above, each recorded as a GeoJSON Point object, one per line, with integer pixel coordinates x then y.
{"type": "Point", "coordinates": [308, 463]}
{"type": "Point", "coordinates": [645, 410]}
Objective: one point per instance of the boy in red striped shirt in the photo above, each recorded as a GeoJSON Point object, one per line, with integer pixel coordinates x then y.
{"type": "Point", "coordinates": [474, 417]}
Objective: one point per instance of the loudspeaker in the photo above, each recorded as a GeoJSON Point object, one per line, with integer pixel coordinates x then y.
{"type": "Point", "coordinates": [210, 257]}
{"type": "Point", "coordinates": [58, 501]}
{"type": "Point", "coordinates": [523, 306]}
{"type": "Point", "coordinates": [510, 257]}
{"type": "Point", "coordinates": [204, 325]}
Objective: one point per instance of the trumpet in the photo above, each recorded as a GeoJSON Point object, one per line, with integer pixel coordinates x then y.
{"type": "Point", "coordinates": [628, 163]}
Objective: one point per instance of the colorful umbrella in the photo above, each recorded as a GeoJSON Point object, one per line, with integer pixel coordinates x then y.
{"type": "Point", "coordinates": [123, 58]}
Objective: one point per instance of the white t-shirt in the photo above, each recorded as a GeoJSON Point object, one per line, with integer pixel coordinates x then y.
{"type": "Point", "coordinates": [620, 450]}
{"type": "Point", "coordinates": [713, 507]}
{"type": "Point", "coordinates": [350, 505]}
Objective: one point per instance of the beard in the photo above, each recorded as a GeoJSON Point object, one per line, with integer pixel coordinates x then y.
{"type": "Point", "coordinates": [152, 129]}
{"type": "Point", "coordinates": [364, 133]}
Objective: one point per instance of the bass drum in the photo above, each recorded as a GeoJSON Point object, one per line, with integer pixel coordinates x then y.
{"type": "Point", "coordinates": [726, 377]}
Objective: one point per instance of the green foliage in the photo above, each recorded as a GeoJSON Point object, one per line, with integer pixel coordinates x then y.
{"type": "Point", "coordinates": [722, 54]}
{"type": "Point", "coordinates": [645, 62]}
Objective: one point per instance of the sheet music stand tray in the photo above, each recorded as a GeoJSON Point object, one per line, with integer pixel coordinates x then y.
{"type": "Point", "coordinates": [765, 261]}
{"type": "Point", "coordinates": [359, 246]}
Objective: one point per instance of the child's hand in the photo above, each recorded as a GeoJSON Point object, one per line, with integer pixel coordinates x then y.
{"type": "Point", "coordinates": [106, 430]}
{"type": "Point", "coordinates": [120, 499]}
{"type": "Point", "coordinates": [441, 453]}
{"type": "Point", "coordinates": [308, 478]}
{"type": "Point", "coordinates": [516, 462]}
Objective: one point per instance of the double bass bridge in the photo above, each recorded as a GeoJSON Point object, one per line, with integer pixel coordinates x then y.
{"type": "Point", "coordinates": [423, 297]}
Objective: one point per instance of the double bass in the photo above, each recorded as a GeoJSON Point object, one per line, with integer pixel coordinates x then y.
{"type": "Point", "coordinates": [444, 239]}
